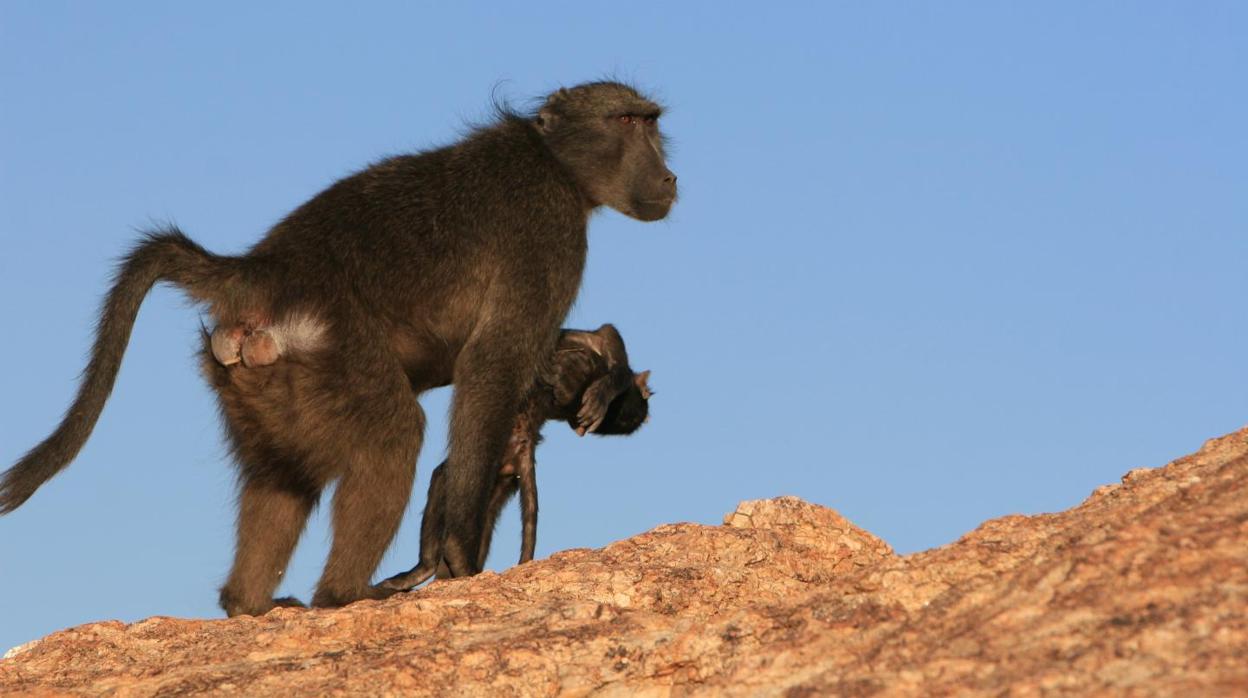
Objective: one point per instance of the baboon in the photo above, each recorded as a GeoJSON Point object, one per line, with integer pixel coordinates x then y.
{"type": "Point", "coordinates": [453, 265]}
{"type": "Point", "coordinates": [590, 386]}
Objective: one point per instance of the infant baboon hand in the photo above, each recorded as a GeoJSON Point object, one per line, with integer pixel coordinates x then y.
{"type": "Point", "coordinates": [593, 408]}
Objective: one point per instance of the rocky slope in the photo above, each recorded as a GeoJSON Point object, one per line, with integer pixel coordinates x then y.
{"type": "Point", "coordinates": [1142, 589]}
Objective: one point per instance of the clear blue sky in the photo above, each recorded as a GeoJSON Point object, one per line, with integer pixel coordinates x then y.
{"type": "Point", "coordinates": [932, 263]}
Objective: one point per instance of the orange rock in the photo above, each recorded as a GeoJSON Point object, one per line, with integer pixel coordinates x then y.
{"type": "Point", "coordinates": [1143, 589]}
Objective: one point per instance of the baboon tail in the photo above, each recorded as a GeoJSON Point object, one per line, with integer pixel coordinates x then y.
{"type": "Point", "coordinates": [162, 255]}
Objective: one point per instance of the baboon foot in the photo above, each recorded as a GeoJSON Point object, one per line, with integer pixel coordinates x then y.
{"type": "Point", "coordinates": [233, 606]}
{"type": "Point", "coordinates": [332, 599]}
{"type": "Point", "coordinates": [409, 579]}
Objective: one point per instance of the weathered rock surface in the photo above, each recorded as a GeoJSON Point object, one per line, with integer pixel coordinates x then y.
{"type": "Point", "coordinates": [1141, 590]}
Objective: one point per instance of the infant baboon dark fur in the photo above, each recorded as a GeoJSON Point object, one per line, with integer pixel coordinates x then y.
{"type": "Point", "coordinates": [456, 265]}
{"type": "Point", "coordinates": [589, 385]}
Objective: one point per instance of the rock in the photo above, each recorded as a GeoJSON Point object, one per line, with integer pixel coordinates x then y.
{"type": "Point", "coordinates": [1143, 589]}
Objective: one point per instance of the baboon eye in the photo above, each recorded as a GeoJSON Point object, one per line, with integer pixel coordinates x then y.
{"type": "Point", "coordinates": [652, 119]}
{"type": "Point", "coordinates": [626, 118]}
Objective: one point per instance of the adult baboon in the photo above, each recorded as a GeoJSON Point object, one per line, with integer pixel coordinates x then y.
{"type": "Point", "coordinates": [456, 265]}
{"type": "Point", "coordinates": [590, 386]}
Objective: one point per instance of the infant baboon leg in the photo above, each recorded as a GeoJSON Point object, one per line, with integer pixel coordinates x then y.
{"type": "Point", "coordinates": [430, 536]}
{"type": "Point", "coordinates": [259, 349]}
{"type": "Point", "coordinates": [504, 487]}
{"type": "Point", "coordinates": [227, 344]}
{"type": "Point", "coordinates": [526, 474]}
{"type": "Point", "coordinates": [271, 518]}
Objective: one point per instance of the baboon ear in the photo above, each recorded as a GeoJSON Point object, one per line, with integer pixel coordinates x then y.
{"type": "Point", "coordinates": [641, 381]}
{"type": "Point", "coordinates": [547, 119]}
{"type": "Point", "coordinates": [548, 116]}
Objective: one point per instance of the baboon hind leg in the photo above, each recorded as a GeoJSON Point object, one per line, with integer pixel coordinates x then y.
{"type": "Point", "coordinates": [493, 373]}
{"type": "Point", "coordinates": [382, 426]}
{"type": "Point", "coordinates": [271, 517]}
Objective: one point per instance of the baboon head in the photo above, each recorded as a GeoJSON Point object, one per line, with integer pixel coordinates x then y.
{"type": "Point", "coordinates": [629, 410]}
{"type": "Point", "coordinates": [607, 135]}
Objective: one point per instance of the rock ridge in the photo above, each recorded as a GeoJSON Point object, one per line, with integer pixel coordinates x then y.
{"type": "Point", "coordinates": [1141, 589]}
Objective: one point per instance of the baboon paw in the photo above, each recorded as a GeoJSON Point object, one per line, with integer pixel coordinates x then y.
{"type": "Point", "coordinates": [334, 599]}
{"type": "Point", "coordinates": [233, 605]}
{"type": "Point", "coordinates": [326, 599]}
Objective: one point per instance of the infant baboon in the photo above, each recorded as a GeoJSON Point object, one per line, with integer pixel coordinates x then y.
{"type": "Point", "coordinates": [457, 264]}
{"type": "Point", "coordinates": [589, 385]}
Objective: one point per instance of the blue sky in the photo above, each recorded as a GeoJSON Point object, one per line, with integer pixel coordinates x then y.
{"type": "Point", "coordinates": [932, 263]}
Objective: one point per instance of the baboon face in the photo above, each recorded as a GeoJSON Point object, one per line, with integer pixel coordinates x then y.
{"type": "Point", "coordinates": [625, 415]}
{"type": "Point", "coordinates": [608, 135]}
{"type": "Point", "coordinates": [629, 410]}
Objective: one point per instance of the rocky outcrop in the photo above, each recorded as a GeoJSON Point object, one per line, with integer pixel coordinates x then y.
{"type": "Point", "coordinates": [1142, 589]}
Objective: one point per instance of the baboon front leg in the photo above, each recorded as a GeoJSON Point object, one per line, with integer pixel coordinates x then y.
{"type": "Point", "coordinates": [271, 517]}
{"type": "Point", "coordinates": [487, 398]}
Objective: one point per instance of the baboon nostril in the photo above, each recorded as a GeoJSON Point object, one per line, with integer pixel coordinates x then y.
{"type": "Point", "coordinates": [670, 178]}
